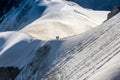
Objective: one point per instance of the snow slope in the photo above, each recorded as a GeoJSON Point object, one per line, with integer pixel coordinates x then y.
{"type": "Point", "coordinates": [91, 56]}
{"type": "Point", "coordinates": [63, 19]}
{"type": "Point", "coordinates": [16, 49]}
{"type": "Point", "coordinates": [87, 56]}
{"type": "Point", "coordinates": [24, 14]}
{"type": "Point", "coordinates": [46, 19]}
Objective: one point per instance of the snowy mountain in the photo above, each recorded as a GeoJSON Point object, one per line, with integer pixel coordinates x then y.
{"type": "Point", "coordinates": [90, 56]}
{"type": "Point", "coordinates": [87, 47]}
{"type": "Point", "coordinates": [64, 19]}
{"type": "Point", "coordinates": [24, 14]}
{"type": "Point", "coordinates": [70, 18]}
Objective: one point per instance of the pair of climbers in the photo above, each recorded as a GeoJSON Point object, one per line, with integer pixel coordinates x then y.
{"type": "Point", "coordinates": [57, 37]}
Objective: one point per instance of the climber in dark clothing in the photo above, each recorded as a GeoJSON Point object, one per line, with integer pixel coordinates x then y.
{"type": "Point", "coordinates": [57, 37]}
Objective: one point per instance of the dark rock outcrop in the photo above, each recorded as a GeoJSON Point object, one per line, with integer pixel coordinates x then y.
{"type": "Point", "coordinates": [8, 73]}
{"type": "Point", "coordinates": [115, 11]}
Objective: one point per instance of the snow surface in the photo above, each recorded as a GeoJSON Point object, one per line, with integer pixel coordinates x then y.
{"type": "Point", "coordinates": [16, 49]}
{"type": "Point", "coordinates": [51, 18]}
{"type": "Point", "coordinates": [93, 55]}
{"type": "Point", "coordinates": [63, 19]}
{"type": "Point", "coordinates": [18, 18]}
{"type": "Point", "coordinates": [90, 56]}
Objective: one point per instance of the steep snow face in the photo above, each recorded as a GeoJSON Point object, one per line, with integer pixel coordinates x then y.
{"type": "Point", "coordinates": [63, 19]}
{"type": "Point", "coordinates": [6, 5]}
{"type": "Point", "coordinates": [16, 49]}
{"type": "Point", "coordinates": [19, 17]}
{"type": "Point", "coordinates": [90, 56]}
{"type": "Point", "coordinates": [98, 4]}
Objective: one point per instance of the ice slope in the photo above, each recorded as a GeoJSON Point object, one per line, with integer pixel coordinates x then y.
{"type": "Point", "coordinates": [16, 49]}
{"type": "Point", "coordinates": [19, 17]}
{"type": "Point", "coordinates": [93, 55]}
{"type": "Point", "coordinates": [63, 19]}
{"type": "Point", "coordinates": [6, 5]}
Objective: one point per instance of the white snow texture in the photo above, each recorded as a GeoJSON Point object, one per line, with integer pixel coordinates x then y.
{"type": "Point", "coordinates": [87, 48]}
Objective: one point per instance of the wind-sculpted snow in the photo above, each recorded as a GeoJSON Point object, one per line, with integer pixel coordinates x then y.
{"type": "Point", "coordinates": [91, 56]}
{"type": "Point", "coordinates": [64, 19]}
{"type": "Point", "coordinates": [16, 49]}
{"type": "Point", "coordinates": [30, 11]}
{"type": "Point", "coordinates": [17, 18]}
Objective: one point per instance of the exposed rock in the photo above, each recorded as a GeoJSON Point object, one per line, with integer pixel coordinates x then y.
{"type": "Point", "coordinates": [7, 73]}
{"type": "Point", "coordinates": [115, 11]}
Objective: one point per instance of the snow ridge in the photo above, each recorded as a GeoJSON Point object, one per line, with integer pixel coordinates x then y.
{"type": "Point", "coordinates": [83, 57]}
{"type": "Point", "coordinates": [86, 56]}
